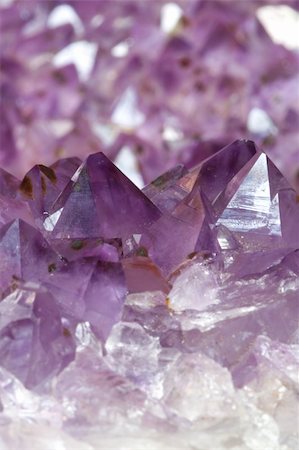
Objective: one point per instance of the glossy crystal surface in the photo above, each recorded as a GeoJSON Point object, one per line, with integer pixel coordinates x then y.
{"type": "Point", "coordinates": [166, 317]}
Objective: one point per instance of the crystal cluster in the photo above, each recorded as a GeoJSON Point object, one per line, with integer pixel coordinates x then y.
{"type": "Point", "coordinates": [158, 318]}
{"type": "Point", "coordinates": [111, 77]}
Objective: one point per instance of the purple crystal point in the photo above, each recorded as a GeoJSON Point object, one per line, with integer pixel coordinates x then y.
{"type": "Point", "coordinates": [34, 343]}
{"type": "Point", "coordinates": [168, 190]}
{"type": "Point", "coordinates": [10, 206]}
{"type": "Point", "coordinates": [221, 174]}
{"type": "Point", "coordinates": [264, 205]}
{"type": "Point", "coordinates": [39, 188]}
{"type": "Point", "coordinates": [24, 254]}
{"type": "Point", "coordinates": [101, 201]}
{"type": "Point", "coordinates": [251, 207]}
{"type": "Point", "coordinates": [165, 181]}
{"type": "Point", "coordinates": [90, 290]}
{"type": "Point", "coordinates": [175, 236]}
{"type": "Point", "coordinates": [64, 169]}
{"type": "Point", "coordinates": [42, 185]}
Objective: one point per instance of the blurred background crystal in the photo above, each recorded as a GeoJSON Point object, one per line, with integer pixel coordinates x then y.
{"type": "Point", "coordinates": [150, 83]}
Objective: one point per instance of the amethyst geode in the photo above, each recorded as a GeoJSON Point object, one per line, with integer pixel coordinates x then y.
{"type": "Point", "coordinates": [165, 305]}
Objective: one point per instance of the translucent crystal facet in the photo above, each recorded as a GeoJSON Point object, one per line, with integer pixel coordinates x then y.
{"type": "Point", "coordinates": [167, 316]}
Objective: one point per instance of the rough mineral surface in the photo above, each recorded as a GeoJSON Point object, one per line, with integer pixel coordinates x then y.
{"type": "Point", "coordinates": [163, 318]}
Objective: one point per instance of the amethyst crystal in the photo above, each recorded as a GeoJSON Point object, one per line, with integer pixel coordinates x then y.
{"type": "Point", "coordinates": [163, 317]}
{"type": "Point", "coordinates": [100, 202]}
{"type": "Point", "coordinates": [24, 254]}
{"type": "Point", "coordinates": [129, 291]}
{"type": "Point", "coordinates": [35, 343]}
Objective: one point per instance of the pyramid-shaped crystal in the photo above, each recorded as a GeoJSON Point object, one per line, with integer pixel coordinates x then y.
{"type": "Point", "coordinates": [180, 232]}
{"type": "Point", "coordinates": [64, 169]}
{"type": "Point", "coordinates": [39, 188]}
{"type": "Point", "coordinates": [34, 343]}
{"type": "Point", "coordinates": [24, 254]}
{"type": "Point", "coordinates": [100, 201]}
{"type": "Point", "coordinates": [221, 174]}
{"type": "Point", "coordinates": [264, 205]}
{"type": "Point", "coordinates": [252, 208]}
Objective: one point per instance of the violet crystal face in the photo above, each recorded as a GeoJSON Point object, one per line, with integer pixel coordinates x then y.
{"type": "Point", "coordinates": [165, 314]}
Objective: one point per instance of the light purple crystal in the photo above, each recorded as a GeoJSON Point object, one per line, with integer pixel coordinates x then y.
{"type": "Point", "coordinates": [34, 343]}
{"type": "Point", "coordinates": [25, 255]}
{"type": "Point", "coordinates": [101, 202]}
{"type": "Point", "coordinates": [164, 317]}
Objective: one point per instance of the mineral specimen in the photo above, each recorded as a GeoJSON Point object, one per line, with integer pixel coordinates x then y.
{"type": "Point", "coordinates": [159, 318]}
